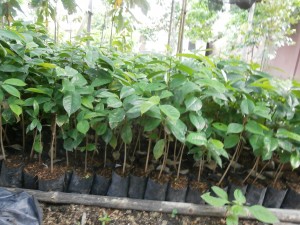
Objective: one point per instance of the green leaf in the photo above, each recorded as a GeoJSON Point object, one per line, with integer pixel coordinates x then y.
{"type": "Point", "coordinates": [193, 104]}
{"type": "Point", "coordinates": [232, 220]}
{"type": "Point", "coordinates": [126, 91]}
{"type": "Point", "coordinates": [71, 102]}
{"type": "Point", "coordinates": [198, 139]}
{"type": "Point", "coordinates": [83, 126]}
{"type": "Point", "coordinates": [262, 111]}
{"type": "Point", "coordinates": [283, 133]}
{"type": "Point", "coordinates": [115, 117]}
{"type": "Point", "coordinates": [11, 35]}
{"type": "Point", "coordinates": [40, 90]}
{"type": "Point", "coordinates": [220, 126]}
{"type": "Point", "coordinates": [113, 142]}
{"type": "Point", "coordinates": [36, 108]}
{"type": "Point", "coordinates": [239, 197]}
{"type": "Point", "coordinates": [11, 90]}
{"type": "Point", "coordinates": [1, 95]}
{"type": "Point", "coordinates": [165, 94]}
{"type": "Point", "coordinates": [145, 106]}
{"type": "Point", "coordinates": [16, 109]}
{"type": "Point", "coordinates": [213, 201]}
{"type": "Point", "coordinates": [256, 141]}
{"type": "Point", "coordinates": [114, 102]}
{"type": "Point", "coordinates": [61, 120]}
{"type": "Point", "coordinates": [150, 124]}
{"type": "Point", "coordinates": [238, 210]}
{"type": "Point", "coordinates": [158, 149]}
{"type": "Point", "coordinates": [47, 65]}
{"type": "Point", "coordinates": [217, 146]}
{"type": "Point", "coordinates": [90, 147]}
{"type": "Point", "coordinates": [220, 192]}
{"type": "Point", "coordinates": [126, 134]}
{"type": "Point", "coordinates": [247, 106]}
{"type": "Point", "coordinates": [37, 145]}
{"type": "Point", "coordinates": [15, 82]}
{"type": "Point", "coordinates": [235, 128]}
{"type": "Point", "coordinates": [295, 159]}
{"type": "Point", "coordinates": [88, 102]}
{"type": "Point", "coordinates": [262, 214]}
{"type": "Point", "coordinates": [254, 127]}
{"type": "Point", "coordinates": [178, 129]}
{"type": "Point", "coordinates": [170, 111]}
{"type": "Point", "coordinates": [231, 140]}
{"type": "Point", "coordinates": [197, 121]}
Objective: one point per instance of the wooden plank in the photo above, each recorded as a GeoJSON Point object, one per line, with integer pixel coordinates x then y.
{"type": "Point", "coordinates": [284, 215]}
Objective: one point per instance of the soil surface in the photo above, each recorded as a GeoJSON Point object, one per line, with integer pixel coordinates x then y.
{"type": "Point", "coordinates": [91, 215]}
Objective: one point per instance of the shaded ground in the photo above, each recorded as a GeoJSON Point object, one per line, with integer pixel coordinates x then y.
{"type": "Point", "coordinates": [89, 215]}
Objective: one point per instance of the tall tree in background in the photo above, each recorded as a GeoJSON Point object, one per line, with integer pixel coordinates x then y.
{"type": "Point", "coordinates": [46, 9]}
{"type": "Point", "coordinates": [181, 26]}
{"type": "Point", "coordinates": [8, 9]}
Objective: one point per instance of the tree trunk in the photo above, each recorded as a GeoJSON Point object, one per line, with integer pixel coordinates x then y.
{"type": "Point", "coordinates": [170, 23]}
{"type": "Point", "coordinates": [181, 26]}
{"type": "Point", "coordinates": [89, 23]}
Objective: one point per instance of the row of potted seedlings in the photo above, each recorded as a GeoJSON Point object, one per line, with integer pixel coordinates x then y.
{"type": "Point", "coordinates": [68, 101]}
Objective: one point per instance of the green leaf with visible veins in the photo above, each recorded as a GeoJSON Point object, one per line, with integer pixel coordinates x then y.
{"type": "Point", "coordinates": [170, 111]}
{"type": "Point", "coordinates": [71, 102]}
{"type": "Point", "coordinates": [213, 201]}
{"type": "Point", "coordinates": [263, 214]}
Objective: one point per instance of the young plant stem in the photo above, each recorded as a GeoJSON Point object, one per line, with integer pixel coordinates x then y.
{"type": "Point", "coordinates": [252, 169]}
{"type": "Point", "coordinates": [96, 143]}
{"type": "Point", "coordinates": [53, 129]}
{"type": "Point", "coordinates": [67, 158]}
{"type": "Point", "coordinates": [1, 135]}
{"type": "Point", "coordinates": [180, 160]}
{"type": "Point", "coordinates": [105, 156]}
{"type": "Point", "coordinates": [125, 158]}
{"type": "Point", "coordinates": [32, 149]}
{"type": "Point", "coordinates": [230, 163]}
{"type": "Point", "coordinates": [86, 154]}
{"type": "Point", "coordinates": [260, 172]}
{"type": "Point", "coordinates": [137, 143]}
{"type": "Point", "coordinates": [148, 155]}
{"type": "Point", "coordinates": [5, 135]}
{"type": "Point", "coordinates": [201, 164]}
{"type": "Point", "coordinates": [174, 155]}
{"type": "Point", "coordinates": [280, 167]}
{"type": "Point", "coordinates": [166, 151]}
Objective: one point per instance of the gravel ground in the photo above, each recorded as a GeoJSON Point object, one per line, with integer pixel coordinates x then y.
{"type": "Point", "coordinates": [89, 215]}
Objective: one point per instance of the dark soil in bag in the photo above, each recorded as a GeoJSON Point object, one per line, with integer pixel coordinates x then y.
{"type": "Point", "coordinates": [255, 195]}
{"type": "Point", "coordinates": [68, 176]}
{"type": "Point", "coordinates": [30, 181]}
{"type": "Point", "coordinates": [137, 186]}
{"type": "Point", "coordinates": [177, 189]}
{"type": "Point", "coordinates": [101, 182]}
{"type": "Point", "coordinates": [119, 184]}
{"type": "Point", "coordinates": [157, 187]}
{"type": "Point", "coordinates": [291, 200]}
{"type": "Point", "coordinates": [81, 183]}
{"type": "Point", "coordinates": [54, 181]}
{"type": "Point", "coordinates": [274, 198]}
{"type": "Point", "coordinates": [11, 174]}
{"type": "Point", "coordinates": [194, 192]}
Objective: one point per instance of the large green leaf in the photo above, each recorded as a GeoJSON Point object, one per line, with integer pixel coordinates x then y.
{"type": "Point", "coordinates": [193, 104]}
{"type": "Point", "coordinates": [263, 214]}
{"type": "Point", "coordinates": [126, 134]}
{"type": "Point", "coordinates": [11, 90]}
{"type": "Point", "coordinates": [247, 106]}
{"type": "Point", "coordinates": [170, 111]}
{"type": "Point", "coordinates": [197, 121]}
{"type": "Point", "coordinates": [178, 129]}
{"type": "Point", "coordinates": [15, 82]}
{"type": "Point", "coordinates": [16, 109]}
{"type": "Point", "coordinates": [231, 140]}
{"type": "Point", "coordinates": [13, 35]}
{"type": "Point", "coordinates": [220, 192]}
{"type": "Point", "coordinates": [213, 201]}
{"type": "Point", "coordinates": [254, 127]}
{"type": "Point", "coordinates": [115, 117]}
{"type": "Point", "coordinates": [158, 149]}
{"type": "Point", "coordinates": [37, 145]}
{"type": "Point", "coordinates": [113, 102]}
{"type": "Point", "coordinates": [150, 124]}
{"type": "Point", "coordinates": [83, 126]}
{"type": "Point", "coordinates": [126, 91]}
{"type": "Point", "coordinates": [295, 159]}
{"type": "Point", "coordinates": [198, 138]}
{"type": "Point", "coordinates": [220, 126]}
{"type": "Point", "coordinates": [147, 105]}
{"type": "Point", "coordinates": [262, 111]}
{"type": "Point", "coordinates": [283, 133]}
{"type": "Point", "coordinates": [235, 128]}
{"type": "Point", "coordinates": [71, 102]}
{"type": "Point", "coordinates": [239, 197]}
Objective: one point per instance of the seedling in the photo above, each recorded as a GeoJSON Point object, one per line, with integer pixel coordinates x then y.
{"type": "Point", "coordinates": [104, 219]}
{"type": "Point", "coordinates": [174, 213]}
{"type": "Point", "coordinates": [237, 208]}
